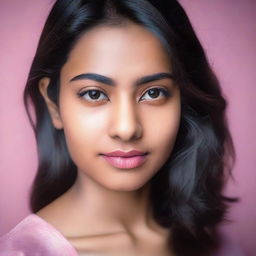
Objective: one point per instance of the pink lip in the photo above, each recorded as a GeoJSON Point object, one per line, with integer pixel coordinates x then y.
{"type": "Point", "coordinates": [119, 153]}
{"type": "Point", "coordinates": [125, 162]}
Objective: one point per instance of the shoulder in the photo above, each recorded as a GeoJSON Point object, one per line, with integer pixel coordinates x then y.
{"type": "Point", "coordinates": [34, 235]}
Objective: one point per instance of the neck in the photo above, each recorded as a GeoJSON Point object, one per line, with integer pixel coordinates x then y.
{"type": "Point", "coordinates": [120, 208]}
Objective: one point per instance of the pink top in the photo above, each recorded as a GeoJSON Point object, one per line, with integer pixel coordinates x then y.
{"type": "Point", "coordinates": [33, 236]}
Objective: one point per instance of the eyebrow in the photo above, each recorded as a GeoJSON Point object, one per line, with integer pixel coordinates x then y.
{"type": "Point", "coordinates": [108, 81]}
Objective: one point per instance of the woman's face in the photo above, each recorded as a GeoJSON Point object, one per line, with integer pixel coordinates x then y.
{"type": "Point", "coordinates": [126, 106]}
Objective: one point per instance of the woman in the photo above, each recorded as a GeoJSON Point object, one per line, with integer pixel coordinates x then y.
{"type": "Point", "coordinates": [133, 145]}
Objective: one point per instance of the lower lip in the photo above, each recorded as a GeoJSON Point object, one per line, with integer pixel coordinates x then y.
{"type": "Point", "coordinates": [125, 162]}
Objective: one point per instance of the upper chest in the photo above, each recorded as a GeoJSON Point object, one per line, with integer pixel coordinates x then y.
{"type": "Point", "coordinates": [122, 244]}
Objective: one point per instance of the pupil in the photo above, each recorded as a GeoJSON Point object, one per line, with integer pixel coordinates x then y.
{"type": "Point", "coordinates": [154, 93]}
{"type": "Point", "coordinates": [94, 94]}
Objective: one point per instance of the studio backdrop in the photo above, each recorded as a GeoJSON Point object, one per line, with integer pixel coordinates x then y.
{"type": "Point", "coordinates": [227, 31]}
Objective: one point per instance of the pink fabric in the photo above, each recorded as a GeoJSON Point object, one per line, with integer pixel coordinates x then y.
{"type": "Point", "coordinates": [33, 236]}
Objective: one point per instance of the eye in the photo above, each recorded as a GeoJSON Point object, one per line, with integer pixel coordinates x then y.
{"type": "Point", "coordinates": [92, 95]}
{"type": "Point", "coordinates": [155, 92]}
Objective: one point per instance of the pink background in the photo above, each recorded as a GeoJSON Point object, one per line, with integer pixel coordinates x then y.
{"type": "Point", "coordinates": [227, 31]}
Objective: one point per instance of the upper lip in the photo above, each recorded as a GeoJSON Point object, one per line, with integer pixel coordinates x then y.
{"type": "Point", "coordinates": [125, 154]}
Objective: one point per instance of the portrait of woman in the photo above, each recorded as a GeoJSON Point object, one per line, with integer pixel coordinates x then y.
{"type": "Point", "coordinates": [134, 147]}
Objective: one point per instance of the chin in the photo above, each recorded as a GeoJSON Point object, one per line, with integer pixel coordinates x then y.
{"type": "Point", "coordinates": [126, 186]}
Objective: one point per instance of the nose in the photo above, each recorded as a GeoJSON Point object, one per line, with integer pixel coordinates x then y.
{"type": "Point", "coordinates": [125, 125]}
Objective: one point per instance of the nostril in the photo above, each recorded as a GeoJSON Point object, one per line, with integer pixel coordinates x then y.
{"type": "Point", "coordinates": [126, 133]}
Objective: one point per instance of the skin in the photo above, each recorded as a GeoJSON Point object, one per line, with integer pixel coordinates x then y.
{"type": "Point", "coordinates": [107, 209]}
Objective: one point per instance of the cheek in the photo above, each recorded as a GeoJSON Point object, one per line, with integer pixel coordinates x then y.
{"type": "Point", "coordinates": [163, 131]}
{"type": "Point", "coordinates": [83, 128]}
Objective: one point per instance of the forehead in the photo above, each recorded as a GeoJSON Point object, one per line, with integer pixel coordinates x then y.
{"type": "Point", "coordinates": [118, 50]}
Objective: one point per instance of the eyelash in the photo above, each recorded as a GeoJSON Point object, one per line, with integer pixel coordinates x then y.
{"type": "Point", "coordinates": [165, 92]}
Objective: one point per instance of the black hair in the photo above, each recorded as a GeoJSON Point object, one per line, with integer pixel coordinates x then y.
{"type": "Point", "coordinates": [187, 192]}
